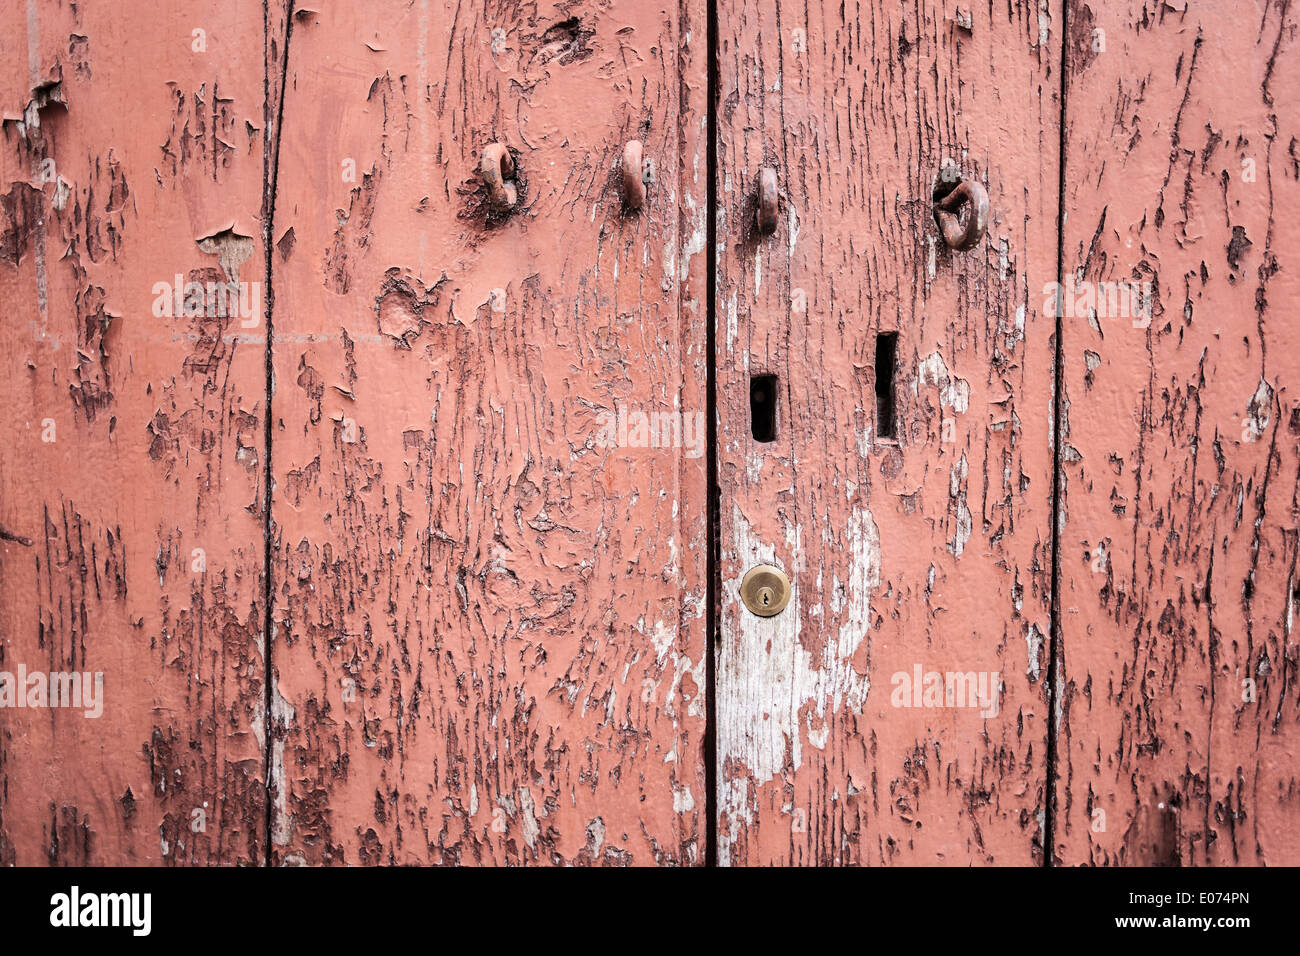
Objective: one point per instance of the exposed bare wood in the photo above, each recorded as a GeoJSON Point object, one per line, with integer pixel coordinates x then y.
{"type": "Point", "coordinates": [1179, 741]}
{"type": "Point", "coordinates": [489, 622]}
{"type": "Point", "coordinates": [131, 451]}
{"type": "Point", "coordinates": [928, 551]}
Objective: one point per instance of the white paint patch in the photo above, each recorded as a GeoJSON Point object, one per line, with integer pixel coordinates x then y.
{"type": "Point", "coordinates": [681, 668]}
{"type": "Point", "coordinates": [62, 190]}
{"type": "Point", "coordinates": [528, 817]}
{"type": "Point", "coordinates": [695, 242]}
{"type": "Point", "coordinates": [1017, 333]}
{"type": "Point", "coordinates": [1034, 643]}
{"type": "Point", "coordinates": [1290, 606]}
{"type": "Point", "coordinates": [863, 544]}
{"type": "Point", "coordinates": [281, 718]}
{"type": "Point", "coordinates": [1258, 412]}
{"type": "Point", "coordinates": [953, 392]}
{"type": "Point", "coordinates": [961, 513]}
{"type": "Point", "coordinates": [733, 321]}
{"type": "Point", "coordinates": [772, 693]}
{"type": "Point", "coordinates": [864, 442]}
{"type": "Point", "coordinates": [737, 803]}
{"type": "Point", "coordinates": [595, 836]}
{"type": "Point", "coordinates": [683, 801]}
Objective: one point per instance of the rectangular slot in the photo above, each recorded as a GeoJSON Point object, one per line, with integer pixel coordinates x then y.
{"type": "Point", "coordinates": [762, 407]}
{"type": "Point", "coordinates": [886, 361]}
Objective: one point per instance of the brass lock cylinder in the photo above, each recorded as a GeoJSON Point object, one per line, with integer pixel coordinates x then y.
{"type": "Point", "coordinates": [765, 590]}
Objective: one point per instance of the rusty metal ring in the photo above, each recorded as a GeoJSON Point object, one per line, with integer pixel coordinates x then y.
{"type": "Point", "coordinates": [959, 237]}
{"type": "Point", "coordinates": [497, 169]}
{"type": "Point", "coordinates": [633, 176]}
{"type": "Point", "coordinates": [767, 199]}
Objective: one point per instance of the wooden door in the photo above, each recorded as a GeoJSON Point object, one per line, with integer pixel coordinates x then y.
{"type": "Point", "coordinates": [488, 603]}
{"type": "Point", "coordinates": [915, 526]}
{"type": "Point", "coordinates": [1179, 742]}
{"type": "Point", "coordinates": [132, 517]}
{"type": "Point", "coordinates": [408, 525]}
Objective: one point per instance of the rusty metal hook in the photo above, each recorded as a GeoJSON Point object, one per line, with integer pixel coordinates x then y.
{"type": "Point", "coordinates": [767, 199]}
{"type": "Point", "coordinates": [633, 175]}
{"type": "Point", "coordinates": [497, 169]}
{"type": "Point", "coordinates": [959, 237]}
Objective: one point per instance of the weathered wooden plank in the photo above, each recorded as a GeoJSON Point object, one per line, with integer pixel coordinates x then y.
{"type": "Point", "coordinates": [926, 551]}
{"type": "Point", "coordinates": [1179, 705]}
{"type": "Point", "coordinates": [132, 512]}
{"type": "Point", "coordinates": [490, 638]}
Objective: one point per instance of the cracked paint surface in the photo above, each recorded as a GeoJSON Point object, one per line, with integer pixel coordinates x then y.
{"type": "Point", "coordinates": [490, 628]}
{"type": "Point", "coordinates": [931, 548]}
{"type": "Point", "coordinates": [1179, 705]}
{"type": "Point", "coordinates": [132, 451]}
{"type": "Point", "coordinates": [303, 448]}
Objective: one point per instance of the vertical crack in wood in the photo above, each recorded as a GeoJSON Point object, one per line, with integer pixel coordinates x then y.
{"type": "Point", "coordinates": [270, 167]}
{"type": "Point", "coordinates": [1058, 405]}
{"type": "Point", "coordinates": [713, 562]}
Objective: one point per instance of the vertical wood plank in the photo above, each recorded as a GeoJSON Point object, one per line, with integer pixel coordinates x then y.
{"type": "Point", "coordinates": [1179, 705]}
{"type": "Point", "coordinates": [489, 625]}
{"type": "Point", "coordinates": [131, 448]}
{"type": "Point", "coordinates": [928, 551]}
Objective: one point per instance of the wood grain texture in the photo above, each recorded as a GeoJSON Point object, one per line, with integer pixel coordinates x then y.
{"type": "Point", "coordinates": [931, 550]}
{"type": "Point", "coordinates": [488, 553]}
{"type": "Point", "coordinates": [131, 452]}
{"type": "Point", "coordinates": [1180, 459]}
{"type": "Point", "coordinates": [490, 629]}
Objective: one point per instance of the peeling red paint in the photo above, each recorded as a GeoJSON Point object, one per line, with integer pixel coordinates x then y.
{"type": "Point", "coordinates": [1179, 741]}
{"type": "Point", "coordinates": [489, 630]}
{"type": "Point", "coordinates": [130, 439]}
{"type": "Point", "coordinates": [456, 478]}
{"type": "Point", "coordinates": [922, 546]}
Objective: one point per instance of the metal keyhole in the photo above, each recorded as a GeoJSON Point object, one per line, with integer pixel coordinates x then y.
{"type": "Point", "coordinates": [765, 590]}
{"type": "Point", "coordinates": [767, 200]}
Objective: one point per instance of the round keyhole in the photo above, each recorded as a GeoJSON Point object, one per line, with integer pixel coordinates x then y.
{"type": "Point", "coordinates": [765, 590]}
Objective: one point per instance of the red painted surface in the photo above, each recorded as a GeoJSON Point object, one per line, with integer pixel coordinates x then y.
{"type": "Point", "coordinates": [1179, 701]}
{"type": "Point", "coordinates": [131, 451]}
{"type": "Point", "coordinates": [927, 550]}
{"type": "Point", "coordinates": [489, 627]}
{"type": "Point", "coordinates": [408, 561]}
